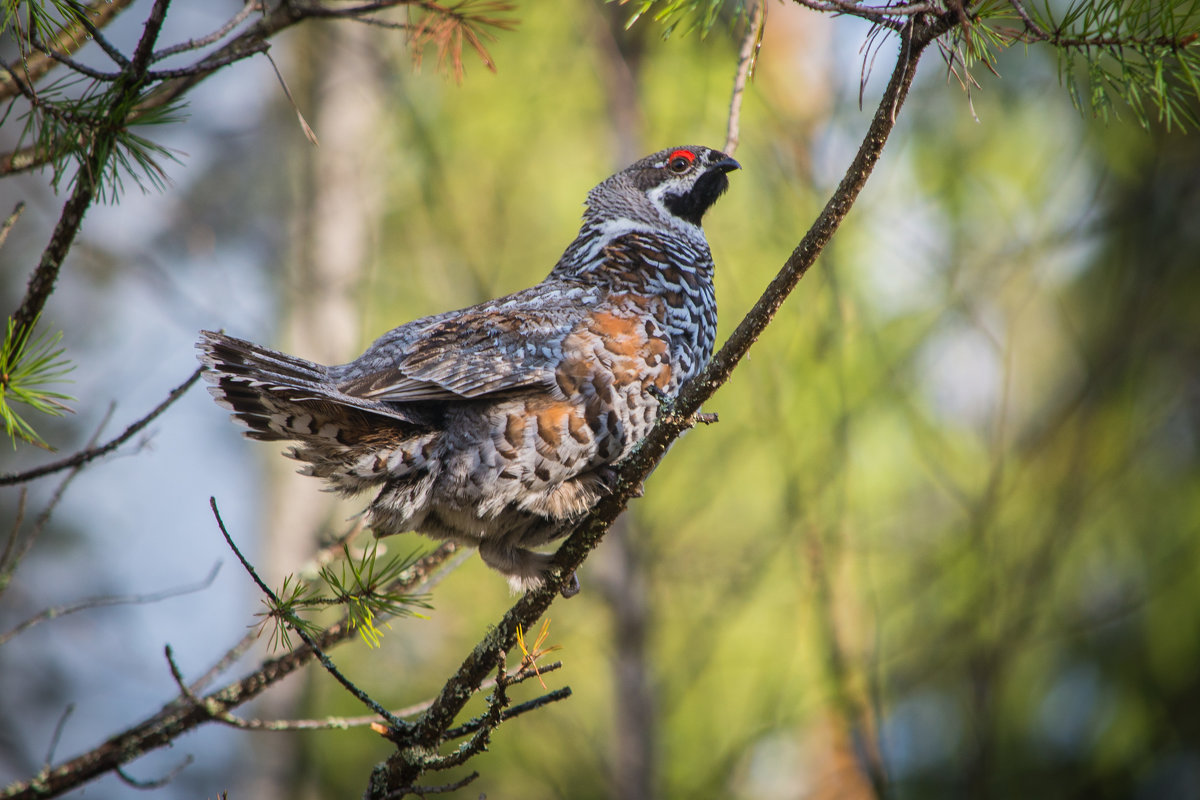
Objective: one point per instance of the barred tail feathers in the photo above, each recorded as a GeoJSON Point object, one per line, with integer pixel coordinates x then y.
{"type": "Point", "coordinates": [343, 439]}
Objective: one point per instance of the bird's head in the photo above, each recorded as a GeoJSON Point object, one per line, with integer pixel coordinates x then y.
{"type": "Point", "coordinates": [679, 183]}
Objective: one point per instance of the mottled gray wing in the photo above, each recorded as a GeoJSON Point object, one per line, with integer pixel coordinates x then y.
{"type": "Point", "coordinates": [506, 345]}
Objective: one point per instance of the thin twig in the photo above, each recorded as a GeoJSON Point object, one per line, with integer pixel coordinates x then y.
{"type": "Point", "coordinates": [1036, 33]}
{"type": "Point", "coordinates": [225, 661]}
{"type": "Point", "coordinates": [309, 133]}
{"type": "Point", "coordinates": [14, 555]}
{"type": "Point", "coordinates": [75, 66]}
{"type": "Point", "coordinates": [112, 600]}
{"type": "Point", "coordinates": [747, 58]}
{"type": "Point", "coordinates": [92, 453]}
{"type": "Point", "coordinates": [516, 711]}
{"type": "Point", "coordinates": [108, 47]}
{"type": "Point", "coordinates": [383, 23]}
{"type": "Point", "coordinates": [173, 83]}
{"type": "Point", "coordinates": [6, 565]}
{"type": "Point", "coordinates": [421, 791]}
{"type": "Point", "coordinates": [157, 783]}
{"type": "Point", "coordinates": [58, 732]}
{"type": "Point", "coordinates": [481, 727]}
{"type": "Point", "coordinates": [1033, 27]}
{"type": "Point", "coordinates": [187, 72]}
{"type": "Point", "coordinates": [326, 662]}
{"type": "Point", "coordinates": [333, 723]}
{"type": "Point", "coordinates": [882, 15]}
{"type": "Point", "coordinates": [10, 221]}
{"type": "Point", "coordinates": [212, 38]}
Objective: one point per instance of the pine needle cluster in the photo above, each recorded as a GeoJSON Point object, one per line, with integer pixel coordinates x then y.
{"type": "Point", "coordinates": [1139, 58]}
{"type": "Point", "coordinates": [363, 585]}
{"type": "Point", "coordinates": [28, 365]}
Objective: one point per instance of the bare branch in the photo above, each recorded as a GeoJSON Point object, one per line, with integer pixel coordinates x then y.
{"type": "Point", "coordinates": [92, 453]}
{"type": "Point", "coordinates": [421, 791]}
{"type": "Point", "coordinates": [157, 783]}
{"type": "Point", "coordinates": [515, 711]}
{"type": "Point", "coordinates": [747, 58]}
{"type": "Point", "coordinates": [111, 600]}
{"type": "Point", "coordinates": [12, 554]}
{"type": "Point", "coordinates": [67, 61]}
{"type": "Point", "coordinates": [10, 221]}
{"type": "Point", "coordinates": [22, 160]}
{"type": "Point", "coordinates": [884, 15]}
{"type": "Point", "coordinates": [58, 731]}
{"type": "Point", "coordinates": [144, 51]}
{"type": "Point", "coordinates": [108, 47]}
{"type": "Point", "coordinates": [173, 83]}
{"type": "Point", "coordinates": [212, 38]}
{"type": "Point", "coordinates": [187, 72]}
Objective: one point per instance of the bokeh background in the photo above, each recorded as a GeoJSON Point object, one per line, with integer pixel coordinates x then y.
{"type": "Point", "coordinates": [948, 524]}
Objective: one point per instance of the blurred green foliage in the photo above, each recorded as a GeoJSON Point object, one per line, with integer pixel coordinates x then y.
{"type": "Point", "coordinates": [953, 501]}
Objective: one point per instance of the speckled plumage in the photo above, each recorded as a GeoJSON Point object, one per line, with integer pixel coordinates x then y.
{"type": "Point", "coordinates": [498, 425]}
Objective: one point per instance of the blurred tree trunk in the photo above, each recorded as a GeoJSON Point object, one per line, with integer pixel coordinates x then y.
{"type": "Point", "coordinates": [623, 576]}
{"type": "Point", "coordinates": [333, 232]}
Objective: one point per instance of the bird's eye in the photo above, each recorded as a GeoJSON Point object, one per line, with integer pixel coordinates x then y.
{"type": "Point", "coordinates": [680, 160]}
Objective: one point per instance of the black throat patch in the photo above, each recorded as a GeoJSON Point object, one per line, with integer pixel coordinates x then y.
{"type": "Point", "coordinates": [704, 192]}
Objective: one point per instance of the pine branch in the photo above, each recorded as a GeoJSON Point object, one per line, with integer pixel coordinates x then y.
{"type": "Point", "coordinates": [301, 630]}
{"type": "Point", "coordinates": [86, 186]}
{"type": "Point", "coordinates": [68, 39]}
{"type": "Point", "coordinates": [1145, 54]}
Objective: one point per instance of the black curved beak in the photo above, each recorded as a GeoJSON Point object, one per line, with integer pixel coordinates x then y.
{"type": "Point", "coordinates": [726, 164]}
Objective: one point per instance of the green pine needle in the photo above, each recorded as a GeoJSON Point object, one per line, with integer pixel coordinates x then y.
{"type": "Point", "coordinates": [360, 584]}
{"type": "Point", "coordinates": [27, 365]}
{"type": "Point", "coordinates": [696, 15]}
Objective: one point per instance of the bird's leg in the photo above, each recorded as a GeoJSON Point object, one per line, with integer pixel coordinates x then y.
{"type": "Point", "coordinates": [525, 569]}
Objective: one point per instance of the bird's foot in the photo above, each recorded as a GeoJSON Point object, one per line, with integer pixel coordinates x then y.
{"type": "Point", "coordinates": [611, 478]}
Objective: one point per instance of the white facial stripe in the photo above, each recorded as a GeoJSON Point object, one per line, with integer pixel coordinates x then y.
{"type": "Point", "coordinates": [655, 196]}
